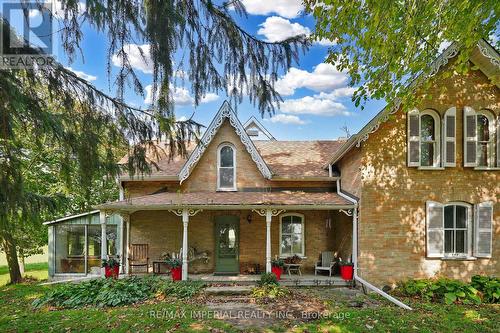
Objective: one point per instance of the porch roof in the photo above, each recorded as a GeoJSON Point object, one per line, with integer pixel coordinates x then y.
{"type": "Point", "coordinates": [228, 200]}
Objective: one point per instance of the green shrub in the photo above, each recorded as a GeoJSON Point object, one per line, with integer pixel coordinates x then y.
{"type": "Point", "coordinates": [441, 290]}
{"type": "Point", "coordinates": [489, 287]}
{"type": "Point", "coordinates": [269, 291]}
{"type": "Point", "coordinates": [100, 292]}
{"type": "Point", "coordinates": [180, 289]}
{"type": "Point", "coordinates": [267, 278]}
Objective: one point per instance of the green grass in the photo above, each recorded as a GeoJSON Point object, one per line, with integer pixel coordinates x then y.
{"type": "Point", "coordinates": [17, 315]}
{"type": "Point", "coordinates": [35, 270]}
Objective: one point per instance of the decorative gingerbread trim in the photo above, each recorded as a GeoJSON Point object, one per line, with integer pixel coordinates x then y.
{"type": "Point", "coordinates": [224, 112]}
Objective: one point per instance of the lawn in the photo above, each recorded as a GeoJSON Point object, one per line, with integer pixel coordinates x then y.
{"type": "Point", "coordinates": [16, 314]}
{"type": "Point", "coordinates": [38, 271]}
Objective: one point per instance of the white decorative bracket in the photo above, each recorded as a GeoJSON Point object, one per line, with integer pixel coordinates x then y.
{"type": "Point", "coordinates": [346, 212]}
{"type": "Point", "coordinates": [190, 211]}
{"type": "Point", "coordinates": [263, 212]}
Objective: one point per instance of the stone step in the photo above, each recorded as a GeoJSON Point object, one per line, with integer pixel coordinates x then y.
{"type": "Point", "coordinates": [229, 290]}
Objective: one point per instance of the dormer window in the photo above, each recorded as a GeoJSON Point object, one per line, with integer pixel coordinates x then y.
{"type": "Point", "coordinates": [226, 168]}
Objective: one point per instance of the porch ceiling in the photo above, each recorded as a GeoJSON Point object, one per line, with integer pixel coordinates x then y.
{"type": "Point", "coordinates": [231, 200]}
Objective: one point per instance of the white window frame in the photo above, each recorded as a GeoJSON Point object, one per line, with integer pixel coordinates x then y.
{"type": "Point", "coordinates": [303, 235]}
{"type": "Point", "coordinates": [468, 228]}
{"type": "Point", "coordinates": [491, 142]}
{"type": "Point", "coordinates": [436, 163]}
{"type": "Point", "coordinates": [219, 188]}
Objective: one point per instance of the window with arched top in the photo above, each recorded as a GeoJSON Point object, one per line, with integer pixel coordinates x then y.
{"type": "Point", "coordinates": [226, 168]}
{"type": "Point", "coordinates": [424, 133]}
{"type": "Point", "coordinates": [481, 139]}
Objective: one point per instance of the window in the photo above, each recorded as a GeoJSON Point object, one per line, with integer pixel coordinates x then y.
{"type": "Point", "coordinates": [452, 226]}
{"type": "Point", "coordinates": [456, 226]}
{"type": "Point", "coordinates": [292, 235]}
{"type": "Point", "coordinates": [480, 139]}
{"type": "Point", "coordinates": [226, 168]}
{"type": "Point", "coordinates": [423, 139]}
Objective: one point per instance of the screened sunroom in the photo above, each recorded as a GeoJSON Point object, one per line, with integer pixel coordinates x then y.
{"type": "Point", "coordinates": [75, 243]}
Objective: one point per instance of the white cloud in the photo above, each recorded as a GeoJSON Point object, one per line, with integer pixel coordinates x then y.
{"type": "Point", "coordinates": [286, 119]}
{"type": "Point", "coordinates": [137, 61]}
{"type": "Point", "coordinates": [83, 75]}
{"type": "Point", "coordinates": [180, 95]}
{"type": "Point", "coordinates": [324, 77]}
{"type": "Point", "coordinates": [276, 29]}
{"type": "Point", "coordinates": [337, 93]}
{"type": "Point", "coordinates": [285, 8]}
{"type": "Point", "coordinates": [315, 106]}
{"type": "Point", "coordinates": [56, 9]}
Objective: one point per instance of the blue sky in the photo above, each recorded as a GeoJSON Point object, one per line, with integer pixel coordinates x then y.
{"type": "Point", "coordinates": [317, 97]}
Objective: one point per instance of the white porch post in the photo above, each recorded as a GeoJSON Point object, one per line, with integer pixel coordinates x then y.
{"type": "Point", "coordinates": [127, 249]}
{"type": "Point", "coordinates": [268, 240]}
{"type": "Point", "coordinates": [104, 243]}
{"type": "Point", "coordinates": [185, 221]}
{"type": "Point", "coordinates": [185, 213]}
{"type": "Point", "coordinates": [268, 213]}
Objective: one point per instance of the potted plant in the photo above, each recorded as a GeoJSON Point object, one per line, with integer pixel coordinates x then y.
{"type": "Point", "coordinates": [346, 270]}
{"type": "Point", "coordinates": [111, 268]}
{"type": "Point", "coordinates": [175, 265]}
{"type": "Point", "coordinates": [277, 267]}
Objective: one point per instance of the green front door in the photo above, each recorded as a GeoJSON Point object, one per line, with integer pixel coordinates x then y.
{"type": "Point", "coordinates": [227, 245]}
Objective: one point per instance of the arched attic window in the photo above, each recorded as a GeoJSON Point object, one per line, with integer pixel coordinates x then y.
{"type": "Point", "coordinates": [480, 139]}
{"type": "Point", "coordinates": [226, 167]}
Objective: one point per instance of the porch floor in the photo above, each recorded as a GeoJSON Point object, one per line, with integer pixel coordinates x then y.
{"type": "Point", "coordinates": [288, 280]}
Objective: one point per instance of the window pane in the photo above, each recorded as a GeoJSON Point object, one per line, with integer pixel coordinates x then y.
{"type": "Point", "coordinates": [94, 248]}
{"type": "Point", "coordinates": [297, 228]}
{"type": "Point", "coordinates": [427, 132]}
{"type": "Point", "coordinates": [286, 227]}
{"type": "Point", "coordinates": [483, 131]}
{"type": "Point", "coordinates": [427, 154]}
{"type": "Point", "coordinates": [112, 237]}
{"type": "Point", "coordinates": [448, 216]}
{"type": "Point", "coordinates": [482, 153]}
{"type": "Point", "coordinates": [69, 248]}
{"type": "Point", "coordinates": [448, 241]}
{"type": "Point", "coordinates": [226, 157]}
{"type": "Point", "coordinates": [297, 244]}
{"type": "Point", "coordinates": [461, 242]}
{"type": "Point", "coordinates": [286, 244]}
{"type": "Point", "coordinates": [461, 217]}
{"type": "Point", "coordinates": [226, 177]}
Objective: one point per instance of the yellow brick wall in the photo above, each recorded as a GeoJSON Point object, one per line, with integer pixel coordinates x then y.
{"type": "Point", "coordinates": [392, 207]}
{"type": "Point", "coordinates": [162, 230]}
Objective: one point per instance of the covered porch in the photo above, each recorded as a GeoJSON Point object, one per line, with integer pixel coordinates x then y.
{"type": "Point", "coordinates": [235, 236]}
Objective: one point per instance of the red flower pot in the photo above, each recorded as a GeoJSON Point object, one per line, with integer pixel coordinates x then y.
{"type": "Point", "coordinates": [176, 273]}
{"type": "Point", "coordinates": [277, 271]}
{"type": "Point", "coordinates": [347, 272]}
{"type": "Point", "coordinates": [111, 272]}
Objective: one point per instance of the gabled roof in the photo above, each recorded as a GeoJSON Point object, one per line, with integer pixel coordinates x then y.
{"type": "Point", "coordinates": [225, 112]}
{"type": "Point", "coordinates": [253, 122]}
{"type": "Point", "coordinates": [485, 57]}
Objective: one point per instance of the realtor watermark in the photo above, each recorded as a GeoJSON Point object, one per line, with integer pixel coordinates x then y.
{"type": "Point", "coordinates": [169, 314]}
{"type": "Point", "coordinates": [27, 39]}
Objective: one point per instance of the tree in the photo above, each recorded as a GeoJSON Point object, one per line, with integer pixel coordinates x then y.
{"type": "Point", "coordinates": [86, 125]}
{"type": "Point", "coordinates": [385, 45]}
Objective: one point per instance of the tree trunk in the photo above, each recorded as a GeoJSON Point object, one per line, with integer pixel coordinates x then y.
{"type": "Point", "coordinates": [21, 263]}
{"type": "Point", "coordinates": [9, 247]}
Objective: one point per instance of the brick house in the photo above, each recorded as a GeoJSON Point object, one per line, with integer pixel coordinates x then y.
{"type": "Point", "coordinates": [417, 205]}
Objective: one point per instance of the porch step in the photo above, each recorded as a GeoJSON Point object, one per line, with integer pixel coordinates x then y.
{"type": "Point", "coordinates": [229, 290]}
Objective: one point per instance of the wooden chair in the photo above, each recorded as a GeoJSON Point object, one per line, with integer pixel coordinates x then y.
{"type": "Point", "coordinates": [326, 264]}
{"type": "Point", "coordinates": [139, 256]}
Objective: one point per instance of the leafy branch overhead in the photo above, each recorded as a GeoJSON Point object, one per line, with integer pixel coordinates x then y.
{"type": "Point", "coordinates": [386, 45]}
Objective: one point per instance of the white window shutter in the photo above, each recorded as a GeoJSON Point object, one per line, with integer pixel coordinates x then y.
{"type": "Point", "coordinates": [435, 229]}
{"type": "Point", "coordinates": [470, 137]}
{"type": "Point", "coordinates": [449, 138]}
{"type": "Point", "coordinates": [483, 229]}
{"type": "Point", "coordinates": [413, 138]}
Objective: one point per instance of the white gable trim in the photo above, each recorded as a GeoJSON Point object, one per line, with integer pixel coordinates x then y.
{"type": "Point", "coordinates": [257, 124]}
{"type": "Point", "coordinates": [224, 112]}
